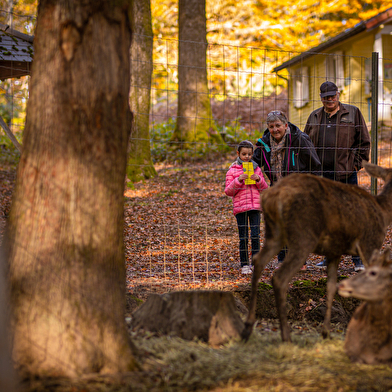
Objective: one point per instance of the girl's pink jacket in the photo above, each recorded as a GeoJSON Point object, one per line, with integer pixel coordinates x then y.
{"type": "Point", "coordinates": [245, 197]}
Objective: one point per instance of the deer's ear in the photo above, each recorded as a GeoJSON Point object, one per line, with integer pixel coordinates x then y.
{"type": "Point", "coordinates": [376, 258]}
{"type": "Point", "coordinates": [375, 171]}
{"type": "Point", "coordinates": [382, 259]}
{"type": "Point", "coordinates": [386, 257]}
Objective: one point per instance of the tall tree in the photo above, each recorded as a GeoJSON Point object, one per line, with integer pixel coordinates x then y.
{"type": "Point", "coordinates": [140, 164]}
{"type": "Point", "coordinates": [273, 31]}
{"type": "Point", "coordinates": [66, 255]}
{"type": "Point", "coordinates": [194, 117]}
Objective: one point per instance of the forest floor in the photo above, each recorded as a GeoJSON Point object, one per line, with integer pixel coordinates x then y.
{"type": "Point", "coordinates": [180, 234]}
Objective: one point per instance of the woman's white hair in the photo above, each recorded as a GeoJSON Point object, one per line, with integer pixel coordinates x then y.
{"type": "Point", "coordinates": [276, 115]}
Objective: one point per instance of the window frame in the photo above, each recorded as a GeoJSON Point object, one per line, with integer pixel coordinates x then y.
{"type": "Point", "coordinates": [300, 80]}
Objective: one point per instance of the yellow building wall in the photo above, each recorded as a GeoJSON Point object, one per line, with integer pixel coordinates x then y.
{"type": "Point", "coordinates": [357, 51]}
{"type": "Point", "coordinates": [387, 63]}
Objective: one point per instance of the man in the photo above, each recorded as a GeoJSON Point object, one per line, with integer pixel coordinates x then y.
{"type": "Point", "coordinates": [342, 141]}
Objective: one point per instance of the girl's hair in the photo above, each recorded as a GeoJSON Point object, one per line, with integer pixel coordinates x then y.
{"type": "Point", "coordinates": [276, 115]}
{"type": "Point", "coordinates": [245, 144]}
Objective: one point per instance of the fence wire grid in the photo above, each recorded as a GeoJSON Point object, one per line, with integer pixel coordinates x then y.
{"type": "Point", "coordinates": [200, 248]}
{"type": "Point", "coordinates": [179, 228]}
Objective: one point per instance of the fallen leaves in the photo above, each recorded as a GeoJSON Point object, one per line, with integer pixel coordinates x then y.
{"type": "Point", "coordinates": [188, 237]}
{"type": "Point", "coordinates": [185, 237]}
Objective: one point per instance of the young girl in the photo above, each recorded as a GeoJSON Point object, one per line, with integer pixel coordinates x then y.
{"type": "Point", "coordinates": [246, 201]}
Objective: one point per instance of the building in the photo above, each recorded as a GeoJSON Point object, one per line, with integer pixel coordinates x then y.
{"type": "Point", "coordinates": [345, 59]}
{"type": "Point", "coordinates": [16, 57]}
{"type": "Point", "coordinates": [16, 53]}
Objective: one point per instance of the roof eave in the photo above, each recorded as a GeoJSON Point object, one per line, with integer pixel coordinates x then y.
{"type": "Point", "coordinates": [325, 45]}
{"type": "Point", "coordinates": [374, 22]}
{"type": "Point", "coordinates": [15, 33]}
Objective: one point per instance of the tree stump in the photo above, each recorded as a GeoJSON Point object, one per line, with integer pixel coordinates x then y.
{"type": "Point", "coordinates": [210, 316]}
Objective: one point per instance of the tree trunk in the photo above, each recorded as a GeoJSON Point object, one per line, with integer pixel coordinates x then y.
{"type": "Point", "coordinates": [207, 315]}
{"type": "Point", "coordinates": [8, 380]}
{"type": "Point", "coordinates": [194, 118]}
{"type": "Point", "coordinates": [140, 164]}
{"type": "Point", "coordinates": [66, 253]}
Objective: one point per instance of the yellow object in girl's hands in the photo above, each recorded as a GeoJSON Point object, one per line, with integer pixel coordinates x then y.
{"type": "Point", "coordinates": [248, 169]}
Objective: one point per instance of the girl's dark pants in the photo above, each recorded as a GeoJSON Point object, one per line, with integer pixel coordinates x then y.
{"type": "Point", "coordinates": [253, 217]}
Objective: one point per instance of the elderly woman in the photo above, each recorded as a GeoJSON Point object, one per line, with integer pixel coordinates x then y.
{"type": "Point", "coordinates": [284, 149]}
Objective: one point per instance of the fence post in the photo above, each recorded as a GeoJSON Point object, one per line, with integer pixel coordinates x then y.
{"type": "Point", "coordinates": [374, 119]}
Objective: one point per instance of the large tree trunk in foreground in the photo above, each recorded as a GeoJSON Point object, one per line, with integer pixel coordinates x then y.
{"type": "Point", "coordinates": [7, 373]}
{"type": "Point", "coordinates": [66, 225]}
{"type": "Point", "coordinates": [140, 164]}
{"type": "Point", "coordinates": [194, 117]}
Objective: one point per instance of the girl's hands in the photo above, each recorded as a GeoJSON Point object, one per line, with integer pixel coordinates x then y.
{"type": "Point", "coordinates": [255, 177]}
{"type": "Point", "coordinates": [242, 177]}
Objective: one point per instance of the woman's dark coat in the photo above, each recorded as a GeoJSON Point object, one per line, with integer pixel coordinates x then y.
{"type": "Point", "coordinates": [300, 154]}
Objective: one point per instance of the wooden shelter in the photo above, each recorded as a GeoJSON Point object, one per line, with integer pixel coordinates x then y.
{"type": "Point", "coordinates": [16, 53]}
{"type": "Point", "coordinates": [16, 57]}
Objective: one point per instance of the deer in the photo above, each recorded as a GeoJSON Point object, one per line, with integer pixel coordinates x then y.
{"type": "Point", "coordinates": [369, 332]}
{"type": "Point", "coordinates": [312, 214]}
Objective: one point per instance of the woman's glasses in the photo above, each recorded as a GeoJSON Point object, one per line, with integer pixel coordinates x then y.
{"type": "Point", "coordinates": [275, 113]}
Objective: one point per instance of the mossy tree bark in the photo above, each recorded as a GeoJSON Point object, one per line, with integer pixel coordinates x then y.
{"type": "Point", "coordinates": [66, 255]}
{"type": "Point", "coordinates": [8, 380]}
{"type": "Point", "coordinates": [194, 118]}
{"type": "Point", "coordinates": [140, 165]}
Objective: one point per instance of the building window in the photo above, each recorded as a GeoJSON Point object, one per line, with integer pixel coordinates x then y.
{"type": "Point", "coordinates": [368, 76]}
{"type": "Point", "coordinates": [335, 69]}
{"type": "Point", "coordinates": [301, 87]}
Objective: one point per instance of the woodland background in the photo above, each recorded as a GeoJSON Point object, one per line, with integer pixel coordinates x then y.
{"type": "Point", "coordinates": [275, 30]}
{"type": "Point", "coordinates": [179, 230]}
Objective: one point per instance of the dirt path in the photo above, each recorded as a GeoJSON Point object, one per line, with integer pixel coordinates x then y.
{"type": "Point", "coordinates": [179, 229]}
{"type": "Point", "coordinates": [180, 233]}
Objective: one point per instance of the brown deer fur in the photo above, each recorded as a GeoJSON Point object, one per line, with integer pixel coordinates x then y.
{"type": "Point", "coordinates": [312, 214]}
{"type": "Point", "coordinates": [369, 333]}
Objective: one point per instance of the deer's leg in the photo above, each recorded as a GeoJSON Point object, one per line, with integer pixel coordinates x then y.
{"type": "Point", "coordinates": [293, 262]}
{"type": "Point", "coordinates": [332, 271]}
{"type": "Point", "coordinates": [260, 260]}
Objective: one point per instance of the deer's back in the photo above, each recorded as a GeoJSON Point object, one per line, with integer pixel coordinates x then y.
{"type": "Point", "coordinates": [332, 211]}
{"type": "Point", "coordinates": [311, 192]}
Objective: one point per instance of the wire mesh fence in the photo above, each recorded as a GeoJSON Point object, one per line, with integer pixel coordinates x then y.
{"type": "Point", "coordinates": [244, 85]}
{"type": "Point", "coordinates": [180, 231]}
{"type": "Point", "coordinates": [179, 227]}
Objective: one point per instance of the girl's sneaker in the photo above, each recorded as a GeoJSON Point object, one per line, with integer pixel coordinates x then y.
{"type": "Point", "coordinates": [246, 270]}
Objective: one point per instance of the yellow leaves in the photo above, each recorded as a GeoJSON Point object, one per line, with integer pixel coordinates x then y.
{"type": "Point", "coordinates": [24, 16]}
{"type": "Point", "coordinates": [272, 31]}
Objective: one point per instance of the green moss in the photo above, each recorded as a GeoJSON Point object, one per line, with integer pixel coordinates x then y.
{"type": "Point", "coordinates": [341, 277]}
{"type": "Point", "coordinates": [303, 283]}
{"type": "Point", "coordinates": [138, 300]}
{"type": "Point", "coordinates": [139, 170]}
{"type": "Point", "coordinates": [264, 286]}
